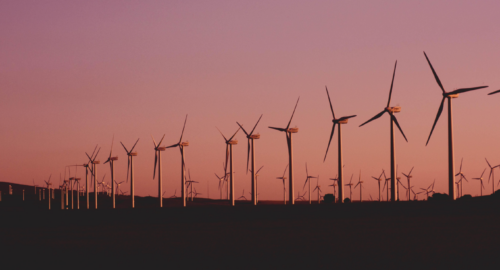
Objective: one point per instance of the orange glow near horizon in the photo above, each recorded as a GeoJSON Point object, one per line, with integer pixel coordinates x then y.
{"type": "Point", "coordinates": [73, 75]}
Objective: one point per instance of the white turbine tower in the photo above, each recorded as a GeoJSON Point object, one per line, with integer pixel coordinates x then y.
{"type": "Point", "coordinates": [130, 168]}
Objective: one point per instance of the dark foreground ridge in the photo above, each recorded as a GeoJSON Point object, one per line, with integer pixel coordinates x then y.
{"type": "Point", "coordinates": [417, 234]}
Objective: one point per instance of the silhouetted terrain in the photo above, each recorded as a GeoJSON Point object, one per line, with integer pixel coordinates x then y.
{"type": "Point", "coordinates": [210, 233]}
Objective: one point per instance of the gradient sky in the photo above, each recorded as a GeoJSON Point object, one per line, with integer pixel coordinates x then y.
{"type": "Point", "coordinates": [75, 73]}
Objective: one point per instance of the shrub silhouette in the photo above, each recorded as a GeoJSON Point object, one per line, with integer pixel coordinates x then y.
{"type": "Point", "coordinates": [329, 198]}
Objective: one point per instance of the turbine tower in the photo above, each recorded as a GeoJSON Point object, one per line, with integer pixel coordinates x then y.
{"type": "Point", "coordinates": [130, 168]}
{"type": "Point", "coordinates": [111, 161]}
{"type": "Point", "coordinates": [229, 154]}
{"type": "Point", "coordinates": [251, 137]}
{"type": "Point", "coordinates": [181, 146]}
{"type": "Point", "coordinates": [448, 96]}
{"type": "Point", "coordinates": [288, 132]}
{"type": "Point", "coordinates": [339, 121]}
{"type": "Point", "coordinates": [158, 150]}
{"type": "Point", "coordinates": [391, 111]}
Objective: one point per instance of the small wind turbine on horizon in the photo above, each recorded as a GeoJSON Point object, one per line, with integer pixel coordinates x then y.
{"type": "Point", "coordinates": [379, 179]}
{"type": "Point", "coordinates": [284, 187]}
{"type": "Point", "coordinates": [480, 178]}
{"type": "Point", "coordinates": [408, 177]}
{"type": "Point", "coordinates": [391, 111]}
{"type": "Point", "coordinates": [360, 183]}
{"type": "Point", "coordinates": [251, 137]}
{"type": "Point", "coordinates": [449, 96]}
{"type": "Point", "coordinates": [288, 132]}
{"type": "Point", "coordinates": [130, 169]}
{"type": "Point", "coordinates": [339, 121]}
{"type": "Point", "coordinates": [318, 187]}
{"type": "Point", "coordinates": [229, 155]}
{"type": "Point", "coordinates": [92, 160]}
{"type": "Point", "coordinates": [158, 149]}
{"type": "Point", "coordinates": [308, 180]}
{"type": "Point", "coordinates": [492, 175]}
{"type": "Point", "coordinates": [460, 182]}
{"type": "Point", "coordinates": [350, 187]}
{"type": "Point", "coordinates": [49, 184]}
{"type": "Point", "coordinates": [257, 184]}
{"type": "Point", "coordinates": [181, 146]}
{"type": "Point", "coordinates": [111, 161]}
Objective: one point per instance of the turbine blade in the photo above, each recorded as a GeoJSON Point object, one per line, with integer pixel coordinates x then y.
{"type": "Point", "coordinates": [173, 145]}
{"type": "Point", "coordinates": [330, 141]}
{"type": "Point", "coordinates": [134, 146]}
{"type": "Point", "coordinates": [161, 140]}
{"type": "Point", "coordinates": [329, 100]}
{"type": "Point", "coordinates": [124, 147]}
{"type": "Point", "coordinates": [392, 83]}
{"type": "Point", "coordinates": [463, 90]}
{"type": "Point", "coordinates": [397, 124]}
{"type": "Point", "coordinates": [235, 133]}
{"type": "Point", "coordinates": [256, 124]}
{"type": "Point", "coordinates": [346, 117]}
{"type": "Point", "coordinates": [221, 134]}
{"type": "Point", "coordinates": [285, 171]}
{"type": "Point", "coordinates": [182, 134]}
{"type": "Point", "coordinates": [440, 110]}
{"type": "Point", "coordinates": [461, 162]}
{"type": "Point", "coordinates": [260, 169]}
{"type": "Point", "coordinates": [494, 92]}
{"type": "Point", "coordinates": [373, 118]}
{"type": "Point", "coordinates": [487, 162]}
{"type": "Point", "coordinates": [112, 141]}
{"type": "Point", "coordinates": [289, 122]}
{"type": "Point", "coordinates": [435, 75]}
{"type": "Point", "coordinates": [156, 160]}
{"type": "Point", "coordinates": [128, 167]}
{"type": "Point", "coordinates": [483, 173]}
{"type": "Point", "coordinates": [243, 129]}
{"type": "Point", "coordinates": [279, 129]}
{"type": "Point", "coordinates": [248, 154]}
{"type": "Point", "coordinates": [154, 142]}
{"type": "Point", "coordinates": [411, 170]}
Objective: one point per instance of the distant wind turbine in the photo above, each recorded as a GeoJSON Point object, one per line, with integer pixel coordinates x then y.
{"type": "Point", "coordinates": [360, 183]}
{"type": "Point", "coordinates": [308, 180]}
{"type": "Point", "coordinates": [379, 179]}
{"type": "Point", "coordinates": [288, 132]}
{"type": "Point", "coordinates": [130, 168]}
{"type": "Point", "coordinates": [339, 121]}
{"type": "Point", "coordinates": [251, 137]}
{"type": "Point", "coordinates": [480, 178]}
{"type": "Point", "coordinates": [229, 155]}
{"type": "Point", "coordinates": [284, 188]}
{"type": "Point", "coordinates": [92, 160]}
{"type": "Point", "coordinates": [111, 161]}
{"type": "Point", "coordinates": [158, 149]}
{"type": "Point", "coordinates": [408, 177]}
{"type": "Point", "coordinates": [391, 111]}
{"type": "Point", "coordinates": [181, 146]}
{"type": "Point", "coordinates": [449, 96]}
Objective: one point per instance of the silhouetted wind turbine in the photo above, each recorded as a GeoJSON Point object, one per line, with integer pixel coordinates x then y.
{"type": "Point", "coordinates": [339, 121]}
{"type": "Point", "coordinates": [462, 176]}
{"type": "Point", "coordinates": [284, 188]}
{"type": "Point", "coordinates": [229, 155]}
{"type": "Point", "coordinates": [350, 188]}
{"type": "Point", "coordinates": [360, 183]}
{"type": "Point", "coordinates": [257, 184]}
{"type": "Point", "coordinates": [130, 168]}
{"type": "Point", "coordinates": [480, 178]}
{"type": "Point", "coordinates": [251, 137]}
{"type": "Point", "coordinates": [391, 111]}
{"type": "Point", "coordinates": [111, 165]}
{"type": "Point", "coordinates": [334, 185]}
{"type": "Point", "coordinates": [158, 150]}
{"type": "Point", "coordinates": [48, 183]}
{"type": "Point", "coordinates": [449, 96]}
{"type": "Point", "coordinates": [318, 187]}
{"type": "Point", "coordinates": [181, 146]}
{"type": "Point", "coordinates": [288, 132]}
{"type": "Point", "coordinates": [409, 176]}
{"type": "Point", "coordinates": [92, 160]}
{"type": "Point", "coordinates": [221, 182]}
{"type": "Point", "coordinates": [378, 180]}
{"type": "Point", "coordinates": [308, 180]}
{"type": "Point", "coordinates": [492, 176]}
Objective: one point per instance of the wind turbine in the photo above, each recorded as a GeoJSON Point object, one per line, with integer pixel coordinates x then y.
{"type": "Point", "coordinates": [391, 111]}
{"type": "Point", "coordinates": [428, 189]}
{"type": "Point", "coordinates": [318, 187]}
{"type": "Point", "coordinates": [251, 137]}
{"type": "Point", "coordinates": [449, 96]}
{"type": "Point", "coordinates": [221, 182]}
{"type": "Point", "coordinates": [360, 183]}
{"type": "Point", "coordinates": [48, 183]}
{"type": "Point", "coordinates": [339, 121]}
{"type": "Point", "coordinates": [334, 185]}
{"type": "Point", "coordinates": [243, 196]}
{"type": "Point", "coordinates": [190, 183]}
{"type": "Point", "coordinates": [181, 146]}
{"type": "Point", "coordinates": [379, 179]}
{"type": "Point", "coordinates": [158, 150]}
{"type": "Point", "coordinates": [130, 168]}
{"type": "Point", "coordinates": [257, 184]}
{"type": "Point", "coordinates": [284, 188]}
{"type": "Point", "coordinates": [118, 186]}
{"type": "Point", "coordinates": [462, 176]}
{"type": "Point", "coordinates": [480, 178]}
{"type": "Point", "coordinates": [111, 161]}
{"type": "Point", "coordinates": [385, 184]}
{"type": "Point", "coordinates": [288, 132]}
{"type": "Point", "coordinates": [308, 179]}
{"type": "Point", "coordinates": [492, 175]}
{"type": "Point", "coordinates": [409, 176]}
{"type": "Point", "coordinates": [350, 188]}
{"type": "Point", "coordinates": [229, 154]}
{"type": "Point", "coordinates": [92, 160]}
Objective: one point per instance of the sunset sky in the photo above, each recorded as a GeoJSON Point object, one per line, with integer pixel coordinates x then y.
{"type": "Point", "coordinates": [75, 73]}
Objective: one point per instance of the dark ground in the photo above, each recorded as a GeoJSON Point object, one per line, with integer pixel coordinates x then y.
{"type": "Point", "coordinates": [211, 234]}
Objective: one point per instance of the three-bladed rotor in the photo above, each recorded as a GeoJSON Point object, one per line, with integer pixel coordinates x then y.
{"type": "Point", "coordinates": [250, 136]}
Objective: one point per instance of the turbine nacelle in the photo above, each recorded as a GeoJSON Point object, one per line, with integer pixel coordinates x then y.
{"type": "Point", "coordinates": [293, 130]}
{"type": "Point", "coordinates": [132, 154]}
{"type": "Point", "coordinates": [113, 158]}
{"type": "Point", "coordinates": [184, 144]}
{"type": "Point", "coordinates": [232, 142]}
{"type": "Point", "coordinates": [395, 109]}
{"type": "Point", "coordinates": [254, 136]}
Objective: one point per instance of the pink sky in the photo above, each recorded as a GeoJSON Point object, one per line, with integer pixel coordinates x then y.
{"type": "Point", "coordinates": [75, 73]}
